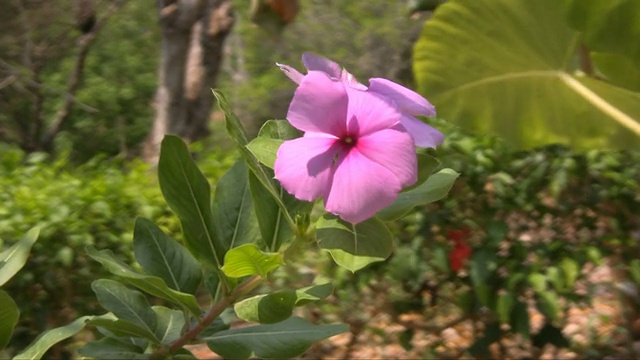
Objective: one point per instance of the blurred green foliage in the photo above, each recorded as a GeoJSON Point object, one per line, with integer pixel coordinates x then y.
{"type": "Point", "coordinates": [94, 204]}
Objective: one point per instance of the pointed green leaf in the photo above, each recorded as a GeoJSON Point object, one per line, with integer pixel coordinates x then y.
{"type": "Point", "coordinates": [237, 133]}
{"type": "Point", "coordinates": [188, 194]}
{"type": "Point", "coordinates": [265, 150]}
{"type": "Point", "coordinates": [571, 270]}
{"type": "Point", "coordinates": [47, 339]}
{"type": "Point", "coordinates": [354, 246]}
{"type": "Point", "coordinates": [435, 188]}
{"type": "Point", "coordinates": [279, 129]}
{"type": "Point", "coordinates": [233, 213]}
{"type": "Point", "coordinates": [170, 324]}
{"type": "Point", "coordinates": [14, 258]}
{"type": "Point", "coordinates": [524, 83]}
{"type": "Point", "coordinates": [125, 303]}
{"type": "Point", "coordinates": [160, 255]}
{"type": "Point", "coordinates": [285, 339]}
{"type": "Point", "coordinates": [9, 315]}
{"type": "Point", "coordinates": [274, 228]}
{"type": "Point", "coordinates": [520, 319]}
{"type": "Point", "coordinates": [111, 348]}
{"type": "Point", "coordinates": [313, 293]}
{"type": "Point", "coordinates": [505, 304]}
{"type": "Point", "coordinates": [272, 134]}
{"type": "Point", "coordinates": [150, 284]}
{"type": "Point", "coordinates": [248, 260]}
{"type": "Point", "coordinates": [122, 328]}
{"type": "Point", "coordinates": [267, 308]}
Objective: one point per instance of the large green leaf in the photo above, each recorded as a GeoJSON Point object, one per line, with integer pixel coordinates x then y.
{"type": "Point", "coordinates": [126, 304]}
{"type": "Point", "coordinates": [436, 187]}
{"type": "Point", "coordinates": [233, 213]}
{"type": "Point", "coordinates": [283, 340]}
{"type": "Point", "coordinates": [611, 26]}
{"type": "Point", "coordinates": [9, 315]}
{"type": "Point", "coordinates": [354, 246]}
{"type": "Point", "coordinates": [272, 134]}
{"type": "Point", "coordinates": [150, 284]}
{"type": "Point", "coordinates": [188, 194]}
{"type": "Point", "coordinates": [160, 255]}
{"type": "Point", "coordinates": [51, 337]}
{"type": "Point", "coordinates": [508, 67]}
{"type": "Point", "coordinates": [14, 258]}
{"type": "Point", "coordinates": [248, 260]}
{"type": "Point", "coordinates": [123, 328]}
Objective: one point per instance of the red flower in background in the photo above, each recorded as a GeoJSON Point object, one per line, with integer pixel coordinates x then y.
{"type": "Point", "coordinates": [461, 251]}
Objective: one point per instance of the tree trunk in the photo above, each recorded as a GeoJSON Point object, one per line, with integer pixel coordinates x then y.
{"type": "Point", "coordinates": [193, 34]}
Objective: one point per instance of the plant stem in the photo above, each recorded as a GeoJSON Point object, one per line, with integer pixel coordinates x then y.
{"type": "Point", "coordinates": [208, 318]}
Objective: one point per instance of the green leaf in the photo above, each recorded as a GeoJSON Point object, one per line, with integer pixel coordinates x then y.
{"type": "Point", "coordinates": [354, 246]}
{"type": "Point", "coordinates": [618, 70]}
{"type": "Point", "coordinates": [9, 315]}
{"type": "Point", "coordinates": [267, 308]}
{"type": "Point", "coordinates": [188, 194]}
{"type": "Point", "coordinates": [313, 293]}
{"type": "Point", "coordinates": [520, 320]}
{"type": "Point", "coordinates": [274, 227]}
{"type": "Point", "coordinates": [265, 150]}
{"type": "Point", "coordinates": [549, 304]}
{"type": "Point", "coordinates": [111, 348]}
{"type": "Point", "coordinates": [505, 304]}
{"type": "Point", "coordinates": [123, 328]}
{"type": "Point", "coordinates": [285, 339]}
{"type": "Point", "coordinates": [150, 284]}
{"type": "Point", "coordinates": [538, 282]}
{"type": "Point", "coordinates": [14, 258]}
{"type": "Point", "coordinates": [47, 339]}
{"type": "Point", "coordinates": [481, 268]}
{"type": "Point", "coordinates": [170, 325]}
{"type": "Point", "coordinates": [233, 213]}
{"type": "Point", "coordinates": [248, 260]}
{"type": "Point", "coordinates": [571, 271]}
{"type": "Point", "coordinates": [272, 134]}
{"type": "Point", "coordinates": [125, 303]}
{"type": "Point", "coordinates": [555, 277]}
{"type": "Point", "coordinates": [160, 255]}
{"type": "Point", "coordinates": [435, 188]}
{"type": "Point", "coordinates": [279, 129]}
{"type": "Point", "coordinates": [237, 133]}
{"type": "Point", "coordinates": [516, 76]}
{"type": "Point", "coordinates": [608, 26]}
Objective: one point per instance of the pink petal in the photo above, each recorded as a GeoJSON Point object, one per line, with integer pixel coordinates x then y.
{"type": "Point", "coordinates": [292, 73]}
{"type": "Point", "coordinates": [304, 166]}
{"type": "Point", "coordinates": [361, 188]}
{"type": "Point", "coordinates": [318, 63]}
{"type": "Point", "coordinates": [395, 151]}
{"type": "Point", "coordinates": [319, 105]}
{"type": "Point", "coordinates": [423, 134]}
{"type": "Point", "coordinates": [408, 101]}
{"type": "Point", "coordinates": [350, 80]}
{"type": "Point", "coordinates": [368, 113]}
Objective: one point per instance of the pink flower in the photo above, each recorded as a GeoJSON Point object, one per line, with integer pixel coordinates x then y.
{"type": "Point", "coordinates": [354, 153]}
{"type": "Point", "coordinates": [409, 103]}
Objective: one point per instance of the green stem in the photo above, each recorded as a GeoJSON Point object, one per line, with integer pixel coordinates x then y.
{"type": "Point", "coordinates": [208, 318]}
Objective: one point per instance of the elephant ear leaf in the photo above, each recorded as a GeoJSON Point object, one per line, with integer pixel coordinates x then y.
{"type": "Point", "coordinates": [510, 67]}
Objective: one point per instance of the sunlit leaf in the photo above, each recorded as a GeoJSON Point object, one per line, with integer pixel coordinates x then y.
{"type": "Point", "coordinates": [509, 67]}
{"type": "Point", "coordinates": [283, 340]}
{"type": "Point", "coordinates": [233, 211]}
{"type": "Point", "coordinates": [248, 260]}
{"type": "Point", "coordinates": [160, 255]}
{"type": "Point", "coordinates": [267, 308]}
{"type": "Point", "coordinates": [123, 328]}
{"type": "Point", "coordinates": [14, 258]}
{"type": "Point", "coordinates": [436, 187]}
{"type": "Point", "coordinates": [354, 246]}
{"type": "Point", "coordinates": [188, 194]}
{"type": "Point", "coordinates": [265, 150]}
{"type": "Point", "coordinates": [150, 284]}
{"type": "Point", "coordinates": [9, 315]}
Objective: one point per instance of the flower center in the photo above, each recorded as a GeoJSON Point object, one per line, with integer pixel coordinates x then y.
{"type": "Point", "coordinates": [349, 140]}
